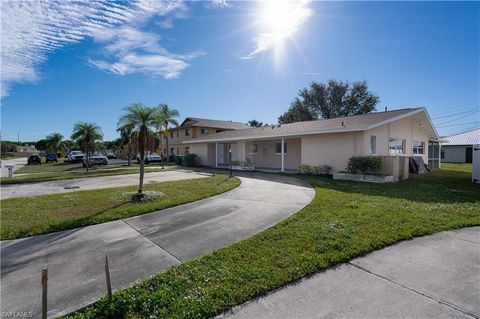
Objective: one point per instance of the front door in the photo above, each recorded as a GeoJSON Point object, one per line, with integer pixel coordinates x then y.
{"type": "Point", "coordinates": [468, 154]}
{"type": "Point", "coordinates": [220, 154]}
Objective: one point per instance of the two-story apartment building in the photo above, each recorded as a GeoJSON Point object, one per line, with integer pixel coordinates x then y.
{"type": "Point", "coordinates": [192, 128]}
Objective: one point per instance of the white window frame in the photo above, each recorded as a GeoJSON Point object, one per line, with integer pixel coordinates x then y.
{"type": "Point", "coordinates": [252, 147]}
{"type": "Point", "coordinates": [416, 147]}
{"type": "Point", "coordinates": [403, 147]}
{"type": "Point", "coordinates": [284, 148]}
{"type": "Point", "coordinates": [373, 144]}
{"type": "Point", "coordinates": [204, 131]}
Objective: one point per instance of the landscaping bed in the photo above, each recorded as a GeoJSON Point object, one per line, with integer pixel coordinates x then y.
{"type": "Point", "coordinates": [344, 220]}
{"type": "Point", "coordinates": [29, 216]}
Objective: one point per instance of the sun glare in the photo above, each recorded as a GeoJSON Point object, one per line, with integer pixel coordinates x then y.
{"type": "Point", "coordinates": [278, 21]}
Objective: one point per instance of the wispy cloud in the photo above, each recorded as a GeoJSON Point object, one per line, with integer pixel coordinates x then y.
{"type": "Point", "coordinates": [278, 20]}
{"type": "Point", "coordinates": [32, 29]}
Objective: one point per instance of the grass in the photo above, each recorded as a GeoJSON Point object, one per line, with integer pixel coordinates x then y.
{"type": "Point", "coordinates": [50, 174]}
{"type": "Point", "coordinates": [43, 214]}
{"type": "Point", "coordinates": [345, 220]}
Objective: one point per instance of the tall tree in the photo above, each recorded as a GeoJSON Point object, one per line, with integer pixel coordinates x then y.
{"type": "Point", "coordinates": [255, 123]}
{"type": "Point", "coordinates": [141, 120]}
{"type": "Point", "coordinates": [334, 99]}
{"type": "Point", "coordinates": [54, 142]}
{"type": "Point", "coordinates": [87, 134]}
{"type": "Point", "coordinates": [166, 116]}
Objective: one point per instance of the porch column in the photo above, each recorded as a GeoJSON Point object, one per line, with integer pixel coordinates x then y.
{"type": "Point", "coordinates": [216, 154]}
{"type": "Point", "coordinates": [283, 153]}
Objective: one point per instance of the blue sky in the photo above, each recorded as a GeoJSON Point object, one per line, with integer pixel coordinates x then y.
{"type": "Point", "coordinates": [213, 60]}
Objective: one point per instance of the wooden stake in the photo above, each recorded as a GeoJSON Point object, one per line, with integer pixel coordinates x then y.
{"type": "Point", "coordinates": [107, 276]}
{"type": "Point", "coordinates": [44, 292]}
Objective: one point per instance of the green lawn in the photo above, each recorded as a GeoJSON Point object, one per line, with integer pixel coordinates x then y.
{"type": "Point", "coordinates": [58, 173]}
{"type": "Point", "coordinates": [43, 214]}
{"type": "Point", "coordinates": [345, 220]}
{"type": "Point", "coordinates": [464, 167]}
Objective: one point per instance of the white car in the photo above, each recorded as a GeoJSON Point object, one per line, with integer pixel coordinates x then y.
{"type": "Point", "coordinates": [95, 159]}
{"type": "Point", "coordinates": [150, 157]}
{"type": "Point", "coordinates": [75, 156]}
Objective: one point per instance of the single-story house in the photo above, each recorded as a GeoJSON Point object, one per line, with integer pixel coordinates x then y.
{"type": "Point", "coordinates": [458, 148]}
{"type": "Point", "coordinates": [396, 133]}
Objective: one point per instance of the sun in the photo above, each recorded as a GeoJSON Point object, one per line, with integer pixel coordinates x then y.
{"type": "Point", "coordinates": [277, 22]}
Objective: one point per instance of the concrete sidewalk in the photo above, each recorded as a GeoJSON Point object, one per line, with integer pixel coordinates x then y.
{"type": "Point", "coordinates": [79, 184]}
{"type": "Point", "coordinates": [436, 276]}
{"type": "Point", "coordinates": [140, 246]}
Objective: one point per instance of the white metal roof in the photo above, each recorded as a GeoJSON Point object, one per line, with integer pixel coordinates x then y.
{"type": "Point", "coordinates": [467, 138]}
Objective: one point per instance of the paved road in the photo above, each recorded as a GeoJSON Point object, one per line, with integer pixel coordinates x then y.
{"type": "Point", "coordinates": [70, 185]}
{"type": "Point", "coordinates": [18, 162]}
{"type": "Point", "coordinates": [436, 276]}
{"type": "Point", "coordinates": [140, 246]}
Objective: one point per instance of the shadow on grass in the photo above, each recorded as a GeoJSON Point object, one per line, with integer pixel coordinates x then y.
{"type": "Point", "coordinates": [439, 186]}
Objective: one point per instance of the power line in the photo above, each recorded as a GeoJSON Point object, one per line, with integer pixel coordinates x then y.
{"type": "Point", "coordinates": [457, 124]}
{"type": "Point", "coordinates": [459, 118]}
{"type": "Point", "coordinates": [475, 109]}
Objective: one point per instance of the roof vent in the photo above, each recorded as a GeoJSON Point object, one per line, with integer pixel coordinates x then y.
{"type": "Point", "coordinates": [278, 125]}
{"type": "Point", "coordinates": [386, 109]}
{"type": "Point", "coordinates": [273, 126]}
{"type": "Point", "coordinates": [343, 124]}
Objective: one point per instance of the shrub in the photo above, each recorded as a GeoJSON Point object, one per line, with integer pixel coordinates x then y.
{"type": "Point", "coordinates": [315, 170]}
{"type": "Point", "coordinates": [191, 160]}
{"type": "Point", "coordinates": [364, 164]}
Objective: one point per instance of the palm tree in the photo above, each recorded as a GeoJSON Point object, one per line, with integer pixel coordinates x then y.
{"type": "Point", "coordinates": [141, 119]}
{"type": "Point", "coordinates": [165, 117]}
{"type": "Point", "coordinates": [87, 134]}
{"type": "Point", "coordinates": [126, 132]}
{"type": "Point", "coordinates": [54, 141]}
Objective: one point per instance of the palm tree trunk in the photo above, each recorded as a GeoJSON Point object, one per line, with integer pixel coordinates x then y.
{"type": "Point", "coordinates": [88, 157]}
{"type": "Point", "coordinates": [129, 154]}
{"type": "Point", "coordinates": [142, 160]}
{"type": "Point", "coordinates": [168, 150]}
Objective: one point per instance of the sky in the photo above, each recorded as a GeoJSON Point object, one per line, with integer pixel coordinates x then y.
{"type": "Point", "coordinates": [64, 62]}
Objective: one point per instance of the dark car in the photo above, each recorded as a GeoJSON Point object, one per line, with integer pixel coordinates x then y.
{"type": "Point", "coordinates": [109, 155]}
{"type": "Point", "coordinates": [51, 158]}
{"type": "Point", "coordinates": [34, 159]}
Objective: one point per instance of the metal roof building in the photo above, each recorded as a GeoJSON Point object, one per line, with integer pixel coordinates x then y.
{"type": "Point", "coordinates": [467, 138]}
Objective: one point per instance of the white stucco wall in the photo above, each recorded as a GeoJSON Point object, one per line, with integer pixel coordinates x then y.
{"type": "Point", "coordinates": [331, 149]}
{"type": "Point", "coordinates": [267, 158]}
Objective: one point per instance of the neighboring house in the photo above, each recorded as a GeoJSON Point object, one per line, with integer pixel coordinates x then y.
{"type": "Point", "coordinates": [458, 148]}
{"type": "Point", "coordinates": [26, 149]}
{"type": "Point", "coordinates": [194, 128]}
{"type": "Point", "coordinates": [331, 142]}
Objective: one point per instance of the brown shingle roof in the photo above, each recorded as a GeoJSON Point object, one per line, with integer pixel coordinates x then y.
{"type": "Point", "coordinates": [340, 124]}
{"type": "Point", "coordinates": [195, 121]}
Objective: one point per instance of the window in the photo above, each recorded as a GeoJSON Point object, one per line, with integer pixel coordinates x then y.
{"type": "Point", "coordinates": [171, 134]}
{"type": "Point", "coordinates": [178, 133]}
{"type": "Point", "coordinates": [187, 132]}
{"type": "Point", "coordinates": [187, 150]}
{"type": "Point", "coordinates": [278, 148]}
{"type": "Point", "coordinates": [373, 144]}
{"type": "Point", "coordinates": [396, 146]}
{"type": "Point", "coordinates": [204, 131]}
{"type": "Point", "coordinates": [253, 148]}
{"type": "Point", "coordinates": [171, 150]}
{"type": "Point", "coordinates": [418, 147]}
{"type": "Point", "coordinates": [178, 151]}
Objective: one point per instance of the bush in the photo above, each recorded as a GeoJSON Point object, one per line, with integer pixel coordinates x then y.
{"type": "Point", "coordinates": [191, 160]}
{"type": "Point", "coordinates": [315, 170]}
{"type": "Point", "coordinates": [364, 164]}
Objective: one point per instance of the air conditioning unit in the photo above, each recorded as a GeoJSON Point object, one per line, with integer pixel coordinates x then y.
{"type": "Point", "coordinates": [476, 164]}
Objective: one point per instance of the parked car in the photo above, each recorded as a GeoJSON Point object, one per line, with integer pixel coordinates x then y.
{"type": "Point", "coordinates": [110, 155]}
{"type": "Point", "coordinates": [51, 158]}
{"type": "Point", "coordinates": [75, 156]}
{"type": "Point", "coordinates": [150, 157]}
{"type": "Point", "coordinates": [95, 159]}
{"type": "Point", "coordinates": [34, 159]}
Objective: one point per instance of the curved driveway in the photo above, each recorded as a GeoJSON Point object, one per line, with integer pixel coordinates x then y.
{"type": "Point", "coordinates": [140, 246]}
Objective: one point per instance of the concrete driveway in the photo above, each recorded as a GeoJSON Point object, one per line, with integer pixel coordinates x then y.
{"type": "Point", "coordinates": [140, 246]}
{"type": "Point", "coordinates": [436, 276]}
{"type": "Point", "coordinates": [77, 184]}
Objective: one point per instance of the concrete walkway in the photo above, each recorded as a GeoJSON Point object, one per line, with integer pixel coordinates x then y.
{"type": "Point", "coordinates": [140, 246]}
{"type": "Point", "coordinates": [78, 184]}
{"type": "Point", "coordinates": [436, 276]}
